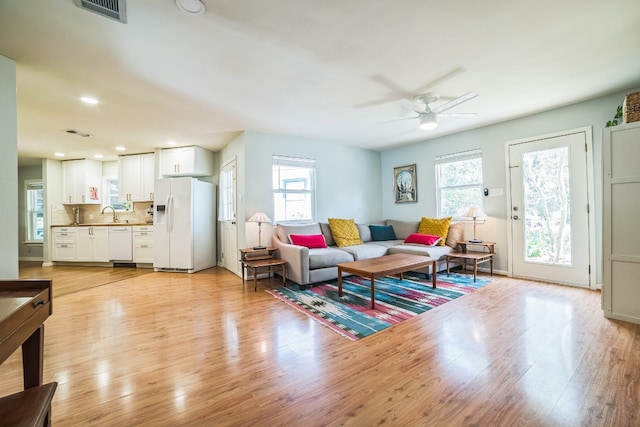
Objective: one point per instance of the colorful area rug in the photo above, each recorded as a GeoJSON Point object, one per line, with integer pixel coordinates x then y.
{"type": "Point", "coordinates": [395, 300]}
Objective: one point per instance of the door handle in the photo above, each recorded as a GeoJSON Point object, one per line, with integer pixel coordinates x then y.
{"type": "Point", "coordinates": [516, 217]}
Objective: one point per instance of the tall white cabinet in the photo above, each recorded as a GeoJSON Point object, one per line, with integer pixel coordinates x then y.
{"type": "Point", "coordinates": [621, 234]}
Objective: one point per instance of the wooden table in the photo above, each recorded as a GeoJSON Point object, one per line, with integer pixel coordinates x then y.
{"type": "Point", "coordinates": [385, 266]}
{"type": "Point", "coordinates": [24, 306]}
{"type": "Point", "coordinates": [256, 265]}
{"type": "Point", "coordinates": [474, 258]}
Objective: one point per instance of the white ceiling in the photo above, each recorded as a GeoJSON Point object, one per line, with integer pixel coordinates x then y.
{"type": "Point", "coordinates": [330, 70]}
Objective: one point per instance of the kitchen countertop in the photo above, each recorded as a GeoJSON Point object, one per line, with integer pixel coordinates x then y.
{"type": "Point", "coordinates": [104, 224]}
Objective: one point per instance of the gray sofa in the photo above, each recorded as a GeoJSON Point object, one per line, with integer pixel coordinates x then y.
{"type": "Point", "coordinates": [307, 266]}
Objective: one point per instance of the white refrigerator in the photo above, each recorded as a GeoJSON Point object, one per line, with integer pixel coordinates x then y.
{"type": "Point", "coordinates": [184, 225]}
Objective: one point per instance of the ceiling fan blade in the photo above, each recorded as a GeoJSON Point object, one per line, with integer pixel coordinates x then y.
{"type": "Point", "coordinates": [457, 101]}
{"type": "Point", "coordinates": [395, 92]}
{"type": "Point", "coordinates": [458, 114]}
{"type": "Point", "coordinates": [439, 79]}
{"type": "Point", "coordinates": [413, 106]}
{"type": "Point", "coordinates": [398, 120]}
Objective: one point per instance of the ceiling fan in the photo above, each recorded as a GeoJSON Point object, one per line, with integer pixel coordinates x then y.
{"type": "Point", "coordinates": [427, 116]}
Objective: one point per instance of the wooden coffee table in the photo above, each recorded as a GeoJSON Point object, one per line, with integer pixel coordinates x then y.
{"type": "Point", "coordinates": [385, 266]}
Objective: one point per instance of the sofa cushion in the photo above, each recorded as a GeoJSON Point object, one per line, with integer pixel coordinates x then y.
{"type": "Point", "coordinates": [385, 243]}
{"type": "Point", "coordinates": [437, 252]}
{"type": "Point", "coordinates": [327, 257]}
{"type": "Point", "coordinates": [382, 232]}
{"type": "Point", "coordinates": [345, 232]}
{"type": "Point", "coordinates": [365, 233]}
{"type": "Point", "coordinates": [365, 251]}
{"type": "Point", "coordinates": [326, 231]}
{"type": "Point", "coordinates": [455, 234]}
{"type": "Point", "coordinates": [423, 239]}
{"type": "Point", "coordinates": [403, 228]}
{"type": "Point", "coordinates": [308, 240]}
{"type": "Point", "coordinates": [435, 226]}
{"type": "Point", "coordinates": [283, 230]}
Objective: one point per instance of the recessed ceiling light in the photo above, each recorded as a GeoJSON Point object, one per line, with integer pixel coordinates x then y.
{"type": "Point", "coordinates": [171, 143]}
{"type": "Point", "coordinates": [97, 156]}
{"type": "Point", "coordinates": [191, 7]}
{"type": "Point", "coordinates": [120, 148]}
{"type": "Point", "coordinates": [58, 154]}
{"type": "Point", "coordinates": [89, 100]}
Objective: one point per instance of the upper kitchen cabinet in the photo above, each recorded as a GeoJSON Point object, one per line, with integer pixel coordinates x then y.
{"type": "Point", "coordinates": [81, 181]}
{"type": "Point", "coordinates": [136, 177]}
{"type": "Point", "coordinates": [186, 161]}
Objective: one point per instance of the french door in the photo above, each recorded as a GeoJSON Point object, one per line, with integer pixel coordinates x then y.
{"type": "Point", "coordinates": [228, 217]}
{"type": "Point", "coordinates": [550, 222]}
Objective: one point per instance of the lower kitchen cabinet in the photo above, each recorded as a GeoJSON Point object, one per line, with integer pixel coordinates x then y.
{"type": "Point", "coordinates": [98, 243]}
{"type": "Point", "coordinates": [64, 243]}
{"type": "Point", "coordinates": [93, 244]}
{"type": "Point", "coordinates": [143, 244]}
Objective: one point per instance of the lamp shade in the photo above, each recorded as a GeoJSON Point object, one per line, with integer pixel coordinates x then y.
{"type": "Point", "coordinates": [475, 212]}
{"type": "Point", "coordinates": [259, 217]}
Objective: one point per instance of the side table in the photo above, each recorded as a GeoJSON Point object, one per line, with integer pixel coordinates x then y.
{"type": "Point", "coordinates": [256, 259]}
{"type": "Point", "coordinates": [473, 257]}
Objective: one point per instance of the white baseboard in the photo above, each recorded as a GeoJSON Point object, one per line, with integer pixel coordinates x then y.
{"type": "Point", "coordinates": [30, 258]}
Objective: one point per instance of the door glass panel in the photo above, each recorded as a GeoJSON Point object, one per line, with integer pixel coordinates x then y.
{"type": "Point", "coordinates": [547, 212]}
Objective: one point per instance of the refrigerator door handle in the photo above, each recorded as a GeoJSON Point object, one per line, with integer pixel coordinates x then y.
{"type": "Point", "coordinates": [170, 218]}
{"type": "Point", "coordinates": [167, 214]}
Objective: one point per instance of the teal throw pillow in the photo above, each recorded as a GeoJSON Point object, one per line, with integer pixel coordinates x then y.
{"type": "Point", "coordinates": [382, 232]}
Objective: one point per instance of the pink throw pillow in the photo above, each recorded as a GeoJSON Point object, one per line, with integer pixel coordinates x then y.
{"type": "Point", "coordinates": [309, 240]}
{"type": "Point", "coordinates": [422, 239]}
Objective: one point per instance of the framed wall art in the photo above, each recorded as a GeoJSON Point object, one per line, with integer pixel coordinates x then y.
{"type": "Point", "coordinates": [405, 184]}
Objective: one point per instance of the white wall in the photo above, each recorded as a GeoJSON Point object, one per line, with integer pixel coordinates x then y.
{"type": "Point", "coordinates": [347, 179]}
{"type": "Point", "coordinates": [491, 140]}
{"type": "Point", "coordinates": [8, 170]}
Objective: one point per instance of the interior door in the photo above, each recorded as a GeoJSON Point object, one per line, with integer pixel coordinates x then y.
{"type": "Point", "coordinates": [228, 217]}
{"type": "Point", "coordinates": [549, 203]}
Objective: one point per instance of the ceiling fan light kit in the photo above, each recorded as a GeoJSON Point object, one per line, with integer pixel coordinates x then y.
{"type": "Point", "coordinates": [427, 116]}
{"type": "Point", "coordinates": [428, 121]}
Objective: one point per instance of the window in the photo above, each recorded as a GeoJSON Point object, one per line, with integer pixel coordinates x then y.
{"type": "Point", "coordinates": [111, 196]}
{"type": "Point", "coordinates": [227, 210]}
{"type": "Point", "coordinates": [35, 211]}
{"type": "Point", "coordinates": [459, 182]}
{"type": "Point", "coordinates": [294, 189]}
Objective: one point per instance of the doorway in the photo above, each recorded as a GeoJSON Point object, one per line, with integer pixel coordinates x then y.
{"type": "Point", "coordinates": [550, 222]}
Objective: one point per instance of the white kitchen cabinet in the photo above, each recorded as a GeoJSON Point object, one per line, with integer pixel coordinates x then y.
{"type": "Point", "coordinates": [92, 244]}
{"type": "Point", "coordinates": [620, 249]}
{"type": "Point", "coordinates": [186, 161]}
{"type": "Point", "coordinates": [81, 181]}
{"type": "Point", "coordinates": [64, 244]}
{"type": "Point", "coordinates": [136, 177]}
{"type": "Point", "coordinates": [143, 244]}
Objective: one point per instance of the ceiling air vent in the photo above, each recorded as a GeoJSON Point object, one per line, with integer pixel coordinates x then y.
{"type": "Point", "coordinates": [113, 9]}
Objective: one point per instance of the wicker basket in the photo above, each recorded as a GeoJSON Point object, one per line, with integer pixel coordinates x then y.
{"type": "Point", "coordinates": [631, 108]}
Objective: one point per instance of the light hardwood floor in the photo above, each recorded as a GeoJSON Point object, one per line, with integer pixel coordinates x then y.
{"type": "Point", "coordinates": [170, 349]}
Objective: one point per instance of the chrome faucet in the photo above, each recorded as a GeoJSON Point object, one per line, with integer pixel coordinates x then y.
{"type": "Point", "coordinates": [115, 218]}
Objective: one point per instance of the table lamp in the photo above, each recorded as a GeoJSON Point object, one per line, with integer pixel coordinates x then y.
{"type": "Point", "coordinates": [476, 213]}
{"type": "Point", "coordinates": [259, 217]}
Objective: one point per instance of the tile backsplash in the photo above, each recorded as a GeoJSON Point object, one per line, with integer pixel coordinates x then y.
{"type": "Point", "coordinates": [90, 214]}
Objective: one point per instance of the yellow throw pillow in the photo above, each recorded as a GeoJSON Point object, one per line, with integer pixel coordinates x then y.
{"type": "Point", "coordinates": [435, 226]}
{"type": "Point", "coordinates": [345, 232]}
